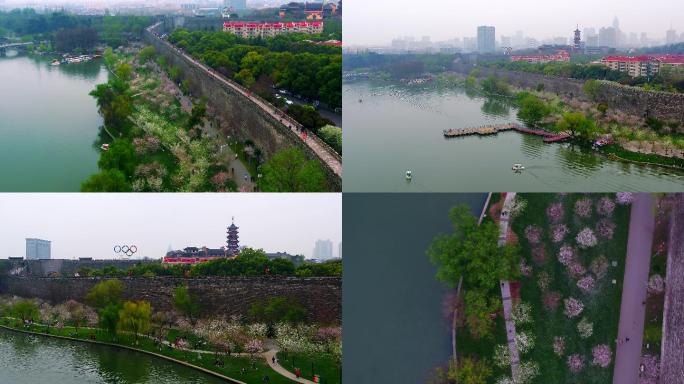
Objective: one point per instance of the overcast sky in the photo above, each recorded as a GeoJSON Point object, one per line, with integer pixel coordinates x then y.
{"type": "Point", "coordinates": [378, 21]}
{"type": "Point", "coordinates": [90, 225]}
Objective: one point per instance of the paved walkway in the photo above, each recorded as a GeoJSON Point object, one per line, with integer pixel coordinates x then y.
{"type": "Point", "coordinates": [672, 354]}
{"type": "Point", "coordinates": [322, 150]}
{"type": "Point", "coordinates": [282, 371]}
{"type": "Point", "coordinates": [632, 309]}
{"type": "Point", "coordinates": [506, 288]}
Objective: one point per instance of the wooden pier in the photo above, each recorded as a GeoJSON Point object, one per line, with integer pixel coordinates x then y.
{"type": "Point", "coordinates": [485, 130]}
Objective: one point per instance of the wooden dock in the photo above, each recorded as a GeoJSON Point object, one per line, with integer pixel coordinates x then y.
{"type": "Point", "coordinates": [486, 130]}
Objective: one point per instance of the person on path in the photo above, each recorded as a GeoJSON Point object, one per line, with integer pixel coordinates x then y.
{"type": "Point", "coordinates": [273, 359]}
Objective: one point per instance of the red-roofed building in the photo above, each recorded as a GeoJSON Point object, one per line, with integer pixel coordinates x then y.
{"type": "Point", "coordinates": [644, 65]}
{"type": "Point", "coordinates": [253, 29]}
{"type": "Point", "coordinates": [559, 56]}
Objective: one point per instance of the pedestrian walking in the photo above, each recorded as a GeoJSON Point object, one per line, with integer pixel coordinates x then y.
{"type": "Point", "coordinates": [273, 359]}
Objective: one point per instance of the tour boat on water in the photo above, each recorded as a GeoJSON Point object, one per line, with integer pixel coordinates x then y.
{"type": "Point", "coordinates": [409, 175]}
{"type": "Point", "coordinates": [55, 62]}
{"type": "Point", "coordinates": [517, 168]}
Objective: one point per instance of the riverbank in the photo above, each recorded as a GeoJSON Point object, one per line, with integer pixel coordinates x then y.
{"type": "Point", "coordinates": [237, 370]}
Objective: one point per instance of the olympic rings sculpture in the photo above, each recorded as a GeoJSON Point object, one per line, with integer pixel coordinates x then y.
{"type": "Point", "coordinates": [125, 249]}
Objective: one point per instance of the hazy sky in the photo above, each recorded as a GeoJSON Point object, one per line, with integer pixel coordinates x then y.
{"type": "Point", "coordinates": [89, 225]}
{"type": "Point", "coordinates": [378, 21]}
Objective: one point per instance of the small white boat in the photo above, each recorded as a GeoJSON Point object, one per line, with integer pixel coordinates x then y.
{"type": "Point", "coordinates": [409, 175]}
{"type": "Point", "coordinates": [55, 62]}
{"type": "Point", "coordinates": [517, 168]}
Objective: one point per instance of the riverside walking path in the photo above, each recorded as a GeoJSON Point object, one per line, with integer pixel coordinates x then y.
{"type": "Point", "coordinates": [322, 150]}
{"type": "Point", "coordinates": [632, 309]}
{"type": "Point", "coordinates": [672, 354]}
{"type": "Point", "coordinates": [506, 288]}
{"type": "Point", "coordinates": [485, 130]}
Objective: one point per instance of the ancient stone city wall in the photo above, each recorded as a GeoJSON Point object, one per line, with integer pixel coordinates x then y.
{"type": "Point", "coordinates": [632, 100]}
{"type": "Point", "coordinates": [236, 115]}
{"type": "Point", "coordinates": [219, 296]}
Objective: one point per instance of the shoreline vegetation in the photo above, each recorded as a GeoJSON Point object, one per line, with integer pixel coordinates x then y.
{"type": "Point", "coordinates": [547, 112]}
{"type": "Point", "coordinates": [239, 347]}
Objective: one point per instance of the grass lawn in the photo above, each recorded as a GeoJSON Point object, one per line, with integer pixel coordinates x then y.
{"type": "Point", "coordinates": [254, 369]}
{"type": "Point", "coordinates": [323, 365]}
{"type": "Point", "coordinates": [601, 304]}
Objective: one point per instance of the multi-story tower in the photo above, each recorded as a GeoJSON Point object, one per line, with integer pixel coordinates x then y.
{"type": "Point", "coordinates": [578, 38]}
{"type": "Point", "coordinates": [323, 250]}
{"type": "Point", "coordinates": [233, 240]}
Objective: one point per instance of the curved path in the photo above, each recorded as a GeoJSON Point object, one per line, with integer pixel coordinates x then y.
{"type": "Point", "coordinates": [322, 150]}
{"type": "Point", "coordinates": [632, 309]}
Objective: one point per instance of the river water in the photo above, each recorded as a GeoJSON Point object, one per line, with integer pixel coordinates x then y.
{"type": "Point", "coordinates": [48, 124]}
{"type": "Point", "coordinates": [392, 128]}
{"type": "Point", "coordinates": [395, 329]}
{"type": "Point", "coordinates": [28, 359]}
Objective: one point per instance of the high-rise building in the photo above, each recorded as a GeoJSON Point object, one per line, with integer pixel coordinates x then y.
{"type": "Point", "coordinates": [323, 250]}
{"type": "Point", "coordinates": [486, 39]}
{"type": "Point", "coordinates": [506, 41]}
{"type": "Point", "coordinates": [608, 37]}
{"type": "Point", "coordinates": [37, 249]}
{"type": "Point", "coordinates": [339, 250]}
{"type": "Point", "coordinates": [671, 36]}
{"type": "Point", "coordinates": [233, 241]}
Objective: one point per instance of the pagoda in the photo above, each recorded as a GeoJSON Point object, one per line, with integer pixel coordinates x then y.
{"type": "Point", "coordinates": [577, 39]}
{"type": "Point", "coordinates": [233, 243]}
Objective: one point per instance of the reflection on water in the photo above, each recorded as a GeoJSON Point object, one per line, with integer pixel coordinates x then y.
{"type": "Point", "coordinates": [48, 123]}
{"type": "Point", "coordinates": [395, 331]}
{"type": "Point", "coordinates": [37, 360]}
{"type": "Point", "coordinates": [392, 128]}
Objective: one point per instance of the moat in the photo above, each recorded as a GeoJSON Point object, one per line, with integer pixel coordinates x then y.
{"type": "Point", "coordinates": [392, 128]}
{"type": "Point", "coordinates": [36, 359]}
{"type": "Point", "coordinates": [48, 123]}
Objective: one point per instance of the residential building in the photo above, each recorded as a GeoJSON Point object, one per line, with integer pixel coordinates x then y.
{"type": "Point", "coordinates": [323, 250]}
{"type": "Point", "coordinates": [254, 29]}
{"type": "Point", "coordinates": [486, 39]}
{"type": "Point", "coordinates": [644, 65]}
{"type": "Point", "coordinates": [339, 250]}
{"type": "Point", "coordinates": [37, 249]}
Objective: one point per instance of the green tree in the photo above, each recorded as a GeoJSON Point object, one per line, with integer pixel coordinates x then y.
{"type": "Point", "coordinates": [146, 54]}
{"type": "Point", "coordinates": [199, 112]}
{"type": "Point", "coordinates": [577, 124]}
{"type": "Point", "coordinates": [121, 156]}
{"type": "Point", "coordinates": [77, 313]}
{"type": "Point", "coordinates": [289, 171]}
{"type": "Point", "coordinates": [278, 309]}
{"type": "Point", "coordinates": [108, 180]}
{"type": "Point", "coordinates": [472, 251]}
{"type": "Point", "coordinates": [109, 318]}
{"type": "Point", "coordinates": [479, 306]}
{"type": "Point", "coordinates": [105, 293]}
{"type": "Point", "coordinates": [470, 371]}
{"type": "Point", "coordinates": [532, 109]}
{"type": "Point", "coordinates": [332, 135]}
{"type": "Point", "coordinates": [134, 317]}
{"type": "Point", "coordinates": [124, 71]}
{"type": "Point", "coordinates": [26, 310]}
{"type": "Point", "coordinates": [185, 302]}
{"type": "Point", "coordinates": [593, 89]}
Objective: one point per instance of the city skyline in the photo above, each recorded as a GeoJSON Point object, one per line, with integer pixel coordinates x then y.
{"type": "Point", "coordinates": [654, 19]}
{"type": "Point", "coordinates": [81, 225]}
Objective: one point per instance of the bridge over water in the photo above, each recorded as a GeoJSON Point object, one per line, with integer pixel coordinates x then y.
{"type": "Point", "coordinates": [4, 47]}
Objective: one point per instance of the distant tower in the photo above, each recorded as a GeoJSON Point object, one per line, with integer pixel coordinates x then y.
{"type": "Point", "coordinates": [578, 38]}
{"type": "Point", "coordinates": [233, 242]}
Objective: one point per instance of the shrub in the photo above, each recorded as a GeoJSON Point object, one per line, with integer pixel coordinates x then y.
{"type": "Point", "coordinates": [585, 328]}
{"type": "Point", "coordinates": [558, 232]}
{"type": "Point", "coordinates": [586, 283]}
{"type": "Point", "coordinates": [586, 238]}
{"type": "Point", "coordinates": [624, 198]}
{"type": "Point", "coordinates": [599, 266]}
{"type": "Point", "coordinates": [605, 228]}
{"type": "Point", "coordinates": [573, 307]}
{"type": "Point", "coordinates": [559, 345]}
{"type": "Point", "coordinates": [602, 355]}
{"type": "Point", "coordinates": [533, 234]}
{"type": "Point", "coordinates": [605, 206]}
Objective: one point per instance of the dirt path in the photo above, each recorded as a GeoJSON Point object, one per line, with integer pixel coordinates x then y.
{"type": "Point", "coordinates": [632, 308]}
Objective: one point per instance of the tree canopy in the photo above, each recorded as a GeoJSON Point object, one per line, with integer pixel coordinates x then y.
{"type": "Point", "coordinates": [290, 171]}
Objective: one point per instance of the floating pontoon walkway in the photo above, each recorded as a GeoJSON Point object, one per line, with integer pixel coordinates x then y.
{"type": "Point", "coordinates": [485, 130]}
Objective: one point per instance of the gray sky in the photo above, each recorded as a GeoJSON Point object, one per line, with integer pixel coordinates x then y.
{"type": "Point", "coordinates": [89, 225]}
{"type": "Point", "coordinates": [378, 21]}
